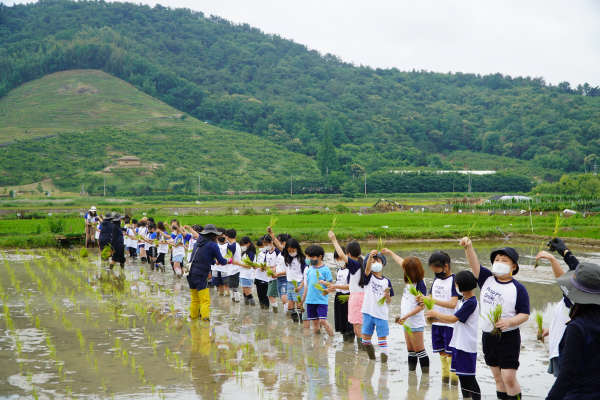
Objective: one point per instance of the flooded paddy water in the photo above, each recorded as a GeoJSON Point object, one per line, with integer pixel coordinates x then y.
{"type": "Point", "coordinates": [70, 328]}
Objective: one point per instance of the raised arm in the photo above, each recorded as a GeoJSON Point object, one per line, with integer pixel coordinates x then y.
{"type": "Point", "coordinates": [369, 262]}
{"type": "Point", "coordinates": [337, 247]}
{"type": "Point", "coordinates": [556, 268]}
{"type": "Point", "coordinates": [471, 256]}
{"type": "Point", "coordinates": [396, 257]}
{"type": "Point", "coordinates": [276, 241]}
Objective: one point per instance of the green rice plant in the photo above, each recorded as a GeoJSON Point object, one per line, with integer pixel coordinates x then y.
{"type": "Point", "coordinates": [408, 330]}
{"type": "Point", "coordinates": [247, 261]}
{"type": "Point", "coordinates": [335, 222]}
{"type": "Point", "coordinates": [381, 301]}
{"type": "Point", "coordinates": [428, 302]}
{"type": "Point", "coordinates": [380, 244]}
{"type": "Point", "coordinates": [273, 222]}
{"type": "Point", "coordinates": [343, 298]}
{"type": "Point", "coordinates": [537, 261]}
{"type": "Point", "coordinates": [557, 225]}
{"type": "Point", "coordinates": [83, 252]}
{"type": "Point", "coordinates": [494, 315]}
{"type": "Point", "coordinates": [411, 288]}
{"type": "Point", "coordinates": [470, 230]}
{"type": "Point", "coordinates": [538, 317]}
{"type": "Point", "coordinates": [106, 252]}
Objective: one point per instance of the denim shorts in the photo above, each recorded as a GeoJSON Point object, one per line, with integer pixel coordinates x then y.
{"type": "Point", "coordinates": [370, 324]}
{"type": "Point", "coordinates": [246, 282]}
{"type": "Point", "coordinates": [293, 296]}
{"type": "Point", "coordinates": [282, 286]}
{"type": "Point", "coordinates": [178, 258]}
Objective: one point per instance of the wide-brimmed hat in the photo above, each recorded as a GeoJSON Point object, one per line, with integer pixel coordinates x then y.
{"type": "Point", "coordinates": [93, 208]}
{"type": "Point", "coordinates": [510, 253]}
{"type": "Point", "coordinates": [582, 285]}
{"type": "Point", "coordinates": [210, 228]}
{"type": "Point", "coordinates": [109, 215]}
{"type": "Point", "coordinates": [116, 217]}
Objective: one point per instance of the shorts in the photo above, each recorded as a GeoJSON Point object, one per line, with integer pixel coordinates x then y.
{"type": "Point", "coordinates": [142, 246]}
{"type": "Point", "coordinates": [178, 258]}
{"type": "Point", "coordinates": [151, 252]}
{"type": "Point", "coordinates": [554, 367]}
{"type": "Point", "coordinates": [316, 311]}
{"type": "Point", "coordinates": [234, 281]}
{"type": "Point", "coordinates": [503, 352]}
{"type": "Point", "coordinates": [293, 296]}
{"type": "Point", "coordinates": [370, 324]}
{"type": "Point", "coordinates": [282, 286]}
{"type": "Point", "coordinates": [218, 279]}
{"type": "Point", "coordinates": [118, 255]}
{"type": "Point", "coordinates": [355, 302]}
{"type": "Point", "coordinates": [272, 291]}
{"type": "Point", "coordinates": [246, 282]}
{"type": "Point", "coordinates": [441, 337]}
{"type": "Point", "coordinates": [197, 282]}
{"type": "Point", "coordinates": [463, 363]}
{"type": "Point", "coordinates": [419, 329]}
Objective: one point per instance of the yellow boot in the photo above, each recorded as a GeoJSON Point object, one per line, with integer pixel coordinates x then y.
{"type": "Point", "coordinates": [445, 369]}
{"type": "Point", "coordinates": [195, 305]}
{"type": "Point", "coordinates": [453, 376]}
{"type": "Point", "coordinates": [204, 296]}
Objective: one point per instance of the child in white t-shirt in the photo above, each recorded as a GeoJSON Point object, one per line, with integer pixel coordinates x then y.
{"type": "Point", "coordinates": [464, 338]}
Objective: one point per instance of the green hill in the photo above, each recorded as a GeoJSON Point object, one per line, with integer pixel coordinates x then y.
{"type": "Point", "coordinates": [246, 80]}
{"type": "Point", "coordinates": [80, 100]}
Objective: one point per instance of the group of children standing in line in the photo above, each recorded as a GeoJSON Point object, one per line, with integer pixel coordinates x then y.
{"type": "Point", "coordinates": [278, 268]}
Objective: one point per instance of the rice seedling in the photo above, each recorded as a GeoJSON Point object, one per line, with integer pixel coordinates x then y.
{"type": "Point", "coordinates": [250, 263]}
{"type": "Point", "coordinates": [494, 315]}
{"type": "Point", "coordinates": [83, 252]}
{"type": "Point", "coordinates": [380, 244]}
{"type": "Point", "coordinates": [273, 222]}
{"type": "Point", "coordinates": [381, 301]}
{"type": "Point", "coordinates": [335, 222]}
{"type": "Point", "coordinates": [428, 302]}
{"type": "Point", "coordinates": [537, 261]}
{"type": "Point", "coordinates": [539, 328]}
{"type": "Point", "coordinates": [343, 298]}
{"type": "Point", "coordinates": [471, 230]}
{"type": "Point", "coordinates": [408, 330]}
{"type": "Point", "coordinates": [557, 225]}
{"type": "Point", "coordinates": [106, 252]}
{"type": "Point", "coordinates": [411, 288]}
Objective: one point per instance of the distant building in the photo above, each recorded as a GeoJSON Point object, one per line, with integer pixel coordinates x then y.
{"type": "Point", "coordinates": [449, 172]}
{"type": "Point", "coordinates": [505, 197]}
{"type": "Point", "coordinates": [129, 160]}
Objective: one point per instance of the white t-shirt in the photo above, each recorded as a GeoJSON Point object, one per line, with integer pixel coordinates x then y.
{"type": "Point", "coordinates": [557, 327]}
{"type": "Point", "coordinates": [373, 293]}
{"type": "Point", "coordinates": [178, 250]}
{"type": "Point", "coordinates": [151, 237]}
{"type": "Point", "coordinates": [97, 235]}
{"type": "Point", "coordinates": [342, 277]}
{"type": "Point", "coordinates": [464, 337]}
{"type": "Point", "coordinates": [247, 273]}
{"type": "Point", "coordinates": [237, 256]}
{"type": "Point", "coordinates": [294, 271]}
{"type": "Point", "coordinates": [258, 273]}
{"type": "Point", "coordinates": [142, 231]}
{"type": "Point", "coordinates": [163, 244]}
{"type": "Point", "coordinates": [90, 219]}
{"type": "Point", "coordinates": [354, 267]}
{"type": "Point", "coordinates": [409, 302]}
{"type": "Point", "coordinates": [512, 295]}
{"type": "Point", "coordinates": [190, 249]}
{"type": "Point", "coordinates": [281, 264]}
{"type": "Point", "coordinates": [443, 290]}
{"type": "Point", "coordinates": [218, 267]}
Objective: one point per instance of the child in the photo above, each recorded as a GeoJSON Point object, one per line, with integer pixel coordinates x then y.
{"type": "Point", "coordinates": [151, 252]}
{"type": "Point", "coordinates": [562, 310]}
{"type": "Point", "coordinates": [178, 249]}
{"type": "Point", "coordinates": [443, 292]}
{"type": "Point", "coordinates": [280, 274]}
{"type": "Point", "coordinates": [246, 271]}
{"type": "Point", "coordinates": [220, 272]}
{"type": "Point", "coordinates": [376, 287]}
{"type": "Point", "coordinates": [498, 287]}
{"type": "Point", "coordinates": [295, 264]}
{"type": "Point", "coordinates": [233, 280]}
{"type": "Point", "coordinates": [354, 262]}
{"type": "Point", "coordinates": [270, 257]}
{"type": "Point", "coordinates": [163, 245]}
{"type": "Point", "coordinates": [340, 309]}
{"type": "Point", "coordinates": [464, 338]}
{"type": "Point", "coordinates": [316, 302]}
{"type": "Point", "coordinates": [132, 240]}
{"type": "Point", "coordinates": [142, 231]}
{"type": "Point", "coordinates": [411, 312]}
{"type": "Point", "coordinates": [260, 276]}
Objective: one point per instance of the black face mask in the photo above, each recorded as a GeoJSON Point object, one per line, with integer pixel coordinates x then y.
{"type": "Point", "coordinates": [221, 239]}
{"type": "Point", "coordinates": [440, 275]}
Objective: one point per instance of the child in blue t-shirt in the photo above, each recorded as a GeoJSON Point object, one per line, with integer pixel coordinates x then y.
{"type": "Point", "coordinates": [464, 337]}
{"type": "Point", "coordinates": [318, 274]}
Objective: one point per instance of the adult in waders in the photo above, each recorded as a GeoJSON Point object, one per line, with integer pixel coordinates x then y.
{"type": "Point", "coordinates": [206, 250]}
{"type": "Point", "coordinates": [117, 242]}
{"type": "Point", "coordinates": [105, 231]}
{"type": "Point", "coordinates": [90, 229]}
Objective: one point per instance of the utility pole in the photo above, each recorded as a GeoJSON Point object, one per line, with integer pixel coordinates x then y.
{"type": "Point", "coordinates": [82, 192]}
{"type": "Point", "coordinates": [595, 168]}
{"type": "Point", "coordinates": [291, 186]}
{"type": "Point", "coordinates": [198, 184]}
{"type": "Point", "coordinates": [365, 183]}
{"type": "Point", "coordinates": [104, 186]}
{"type": "Point", "coordinates": [469, 183]}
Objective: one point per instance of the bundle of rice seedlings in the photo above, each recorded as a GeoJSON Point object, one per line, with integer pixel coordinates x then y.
{"type": "Point", "coordinates": [335, 222]}
{"type": "Point", "coordinates": [83, 252]}
{"type": "Point", "coordinates": [428, 302]}
{"type": "Point", "coordinates": [539, 321]}
{"type": "Point", "coordinates": [106, 252]}
{"type": "Point", "coordinates": [408, 330]}
{"type": "Point", "coordinates": [470, 230]}
{"type": "Point", "coordinates": [229, 254]}
{"type": "Point", "coordinates": [270, 272]}
{"type": "Point", "coordinates": [381, 301]}
{"type": "Point", "coordinates": [262, 266]}
{"type": "Point", "coordinates": [380, 245]}
{"type": "Point", "coordinates": [247, 261]}
{"type": "Point", "coordinates": [343, 298]}
{"type": "Point", "coordinates": [537, 261]}
{"type": "Point", "coordinates": [494, 316]}
{"type": "Point", "coordinates": [411, 288]}
{"type": "Point", "coordinates": [273, 222]}
{"type": "Point", "coordinates": [557, 226]}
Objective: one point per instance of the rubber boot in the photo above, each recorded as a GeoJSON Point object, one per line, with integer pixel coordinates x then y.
{"type": "Point", "coordinates": [236, 297]}
{"type": "Point", "coordinates": [370, 351]}
{"type": "Point", "coordinates": [384, 358]}
{"type": "Point", "coordinates": [294, 316]}
{"type": "Point", "coordinates": [122, 266]}
{"type": "Point", "coordinates": [345, 337]}
{"type": "Point", "coordinates": [351, 337]}
{"type": "Point", "coordinates": [246, 300]}
{"type": "Point", "coordinates": [275, 308]}
{"type": "Point", "coordinates": [252, 302]}
{"type": "Point", "coordinates": [359, 345]}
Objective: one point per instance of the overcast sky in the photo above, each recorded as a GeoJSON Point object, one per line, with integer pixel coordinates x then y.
{"type": "Point", "coordinates": [556, 39]}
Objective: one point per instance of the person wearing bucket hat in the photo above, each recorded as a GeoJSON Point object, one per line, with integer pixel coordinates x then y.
{"type": "Point", "coordinates": [561, 312]}
{"type": "Point", "coordinates": [105, 229]}
{"type": "Point", "coordinates": [90, 230]}
{"type": "Point", "coordinates": [579, 349]}
{"type": "Point", "coordinates": [501, 341]}
{"type": "Point", "coordinates": [117, 242]}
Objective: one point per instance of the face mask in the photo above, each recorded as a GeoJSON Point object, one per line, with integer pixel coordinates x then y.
{"type": "Point", "coordinates": [293, 254]}
{"type": "Point", "coordinates": [500, 269]}
{"type": "Point", "coordinates": [264, 249]}
{"type": "Point", "coordinates": [376, 267]}
{"type": "Point", "coordinates": [314, 261]}
{"type": "Point", "coordinates": [244, 248]}
{"type": "Point", "coordinates": [440, 275]}
{"type": "Point", "coordinates": [458, 291]}
{"type": "Point", "coordinates": [221, 239]}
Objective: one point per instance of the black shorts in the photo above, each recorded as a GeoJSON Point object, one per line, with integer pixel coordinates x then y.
{"type": "Point", "coordinates": [233, 281]}
{"type": "Point", "coordinates": [151, 252]}
{"type": "Point", "coordinates": [503, 352]}
{"type": "Point", "coordinates": [119, 254]}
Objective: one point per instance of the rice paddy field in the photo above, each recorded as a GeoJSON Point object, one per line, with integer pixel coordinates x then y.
{"type": "Point", "coordinates": [70, 328]}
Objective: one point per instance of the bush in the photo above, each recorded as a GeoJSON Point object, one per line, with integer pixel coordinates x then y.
{"type": "Point", "coordinates": [341, 209]}
{"type": "Point", "coordinates": [56, 225]}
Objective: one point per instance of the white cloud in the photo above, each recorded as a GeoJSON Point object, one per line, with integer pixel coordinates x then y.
{"type": "Point", "coordinates": [551, 38]}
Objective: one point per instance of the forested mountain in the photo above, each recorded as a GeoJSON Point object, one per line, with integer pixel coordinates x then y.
{"type": "Point", "coordinates": [241, 78]}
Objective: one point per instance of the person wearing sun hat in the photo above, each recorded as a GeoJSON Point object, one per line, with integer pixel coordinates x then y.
{"type": "Point", "coordinates": [90, 220]}
{"type": "Point", "coordinates": [105, 228]}
{"type": "Point", "coordinates": [498, 287]}
{"type": "Point", "coordinates": [117, 242]}
{"type": "Point", "coordinates": [579, 348]}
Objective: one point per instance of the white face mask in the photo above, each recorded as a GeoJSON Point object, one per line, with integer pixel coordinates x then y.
{"type": "Point", "coordinates": [244, 248]}
{"type": "Point", "coordinates": [293, 254]}
{"type": "Point", "coordinates": [264, 249]}
{"type": "Point", "coordinates": [458, 291]}
{"type": "Point", "coordinates": [376, 267]}
{"type": "Point", "coordinates": [500, 269]}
